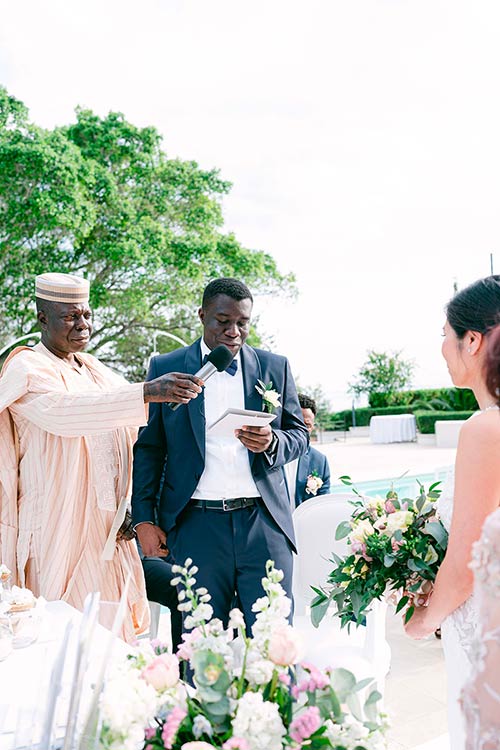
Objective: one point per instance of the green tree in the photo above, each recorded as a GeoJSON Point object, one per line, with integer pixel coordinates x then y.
{"type": "Point", "coordinates": [383, 372]}
{"type": "Point", "coordinates": [101, 198]}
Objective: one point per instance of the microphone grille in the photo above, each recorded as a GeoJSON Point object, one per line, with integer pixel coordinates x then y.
{"type": "Point", "coordinates": [221, 357]}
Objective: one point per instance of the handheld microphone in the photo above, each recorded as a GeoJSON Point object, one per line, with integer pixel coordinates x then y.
{"type": "Point", "coordinates": [217, 361]}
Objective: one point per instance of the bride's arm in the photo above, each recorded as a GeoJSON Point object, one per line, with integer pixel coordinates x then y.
{"type": "Point", "coordinates": [477, 494]}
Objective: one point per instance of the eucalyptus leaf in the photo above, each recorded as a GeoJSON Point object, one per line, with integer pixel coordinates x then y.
{"type": "Point", "coordinates": [318, 611]}
{"type": "Point", "coordinates": [343, 529]}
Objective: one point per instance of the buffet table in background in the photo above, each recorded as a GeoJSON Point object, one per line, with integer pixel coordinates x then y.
{"type": "Point", "coordinates": [393, 428]}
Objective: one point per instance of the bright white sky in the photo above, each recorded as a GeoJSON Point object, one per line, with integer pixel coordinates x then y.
{"type": "Point", "coordinates": [362, 138]}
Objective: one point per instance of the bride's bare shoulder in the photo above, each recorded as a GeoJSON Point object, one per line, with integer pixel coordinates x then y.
{"type": "Point", "coordinates": [482, 429]}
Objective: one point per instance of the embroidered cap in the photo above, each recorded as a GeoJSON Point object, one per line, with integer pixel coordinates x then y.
{"type": "Point", "coordinates": [62, 287]}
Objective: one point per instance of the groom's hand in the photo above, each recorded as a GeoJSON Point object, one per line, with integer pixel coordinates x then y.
{"type": "Point", "coordinates": [256, 439]}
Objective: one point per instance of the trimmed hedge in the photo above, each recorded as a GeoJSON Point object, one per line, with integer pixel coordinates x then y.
{"type": "Point", "coordinates": [426, 420]}
{"type": "Point", "coordinates": [341, 420]}
{"type": "Point", "coordinates": [458, 399]}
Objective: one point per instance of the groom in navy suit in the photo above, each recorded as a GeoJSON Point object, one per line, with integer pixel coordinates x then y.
{"type": "Point", "coordinates": [224, 501]}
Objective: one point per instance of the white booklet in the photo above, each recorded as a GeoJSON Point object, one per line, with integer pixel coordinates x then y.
{"type": "Point", "coordinates": [110, 546]}
{"type": "Point", "coordinates": [234, 419]}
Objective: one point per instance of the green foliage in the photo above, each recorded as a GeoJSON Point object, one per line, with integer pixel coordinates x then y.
{"type": "Point", "coordinates": [100, 198]}
{"type": "Point", "coordinates": [396, 545]}
{"type": "Point", "coordinates": [456, 399]}
{"type": "Point", "coordinates": [426, 420]}
{"type": "Point", "coordinates": [383, 372]}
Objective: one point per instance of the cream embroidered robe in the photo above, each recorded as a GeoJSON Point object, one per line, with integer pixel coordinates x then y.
{"type": "Point", "coordinates": [66, 436]}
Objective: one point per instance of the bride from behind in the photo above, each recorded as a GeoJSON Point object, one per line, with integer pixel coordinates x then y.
{"type": "Point", "coordinates": [474, 494]}
{"type": "Point", "coordinates": [481, 696]}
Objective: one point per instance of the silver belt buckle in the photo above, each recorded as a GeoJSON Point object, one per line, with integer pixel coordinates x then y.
{"type": "Point", "coordinates": [226, 504]}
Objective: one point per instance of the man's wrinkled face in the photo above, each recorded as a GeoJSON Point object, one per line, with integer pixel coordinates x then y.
{"type": "Point", "coordinates": [226, 321]}
{"type": "Point", "coordinates": [66, 326]}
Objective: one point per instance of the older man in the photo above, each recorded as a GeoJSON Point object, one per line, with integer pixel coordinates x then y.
{"type": "Point", "coordinates": [223, 501]}
{"type": "Point", "coordinates": [67, 425]}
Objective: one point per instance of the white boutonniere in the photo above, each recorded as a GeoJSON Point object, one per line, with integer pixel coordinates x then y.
{"type": "Point", "coordinates": [270, 397]}
{"type": "Point", "coordinates": [314, 483]}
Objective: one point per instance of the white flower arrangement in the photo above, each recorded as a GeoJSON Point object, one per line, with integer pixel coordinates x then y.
{"type": "Point", "coordinates": [250, 693]}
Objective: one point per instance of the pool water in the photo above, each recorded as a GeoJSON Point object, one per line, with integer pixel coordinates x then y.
{"type": "Point", "coordinates": [405, 486]}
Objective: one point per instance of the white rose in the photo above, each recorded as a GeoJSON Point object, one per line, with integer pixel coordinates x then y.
{"type": "Point", "coordinates": [361, 530]}
{"type": "Point", "coordinates": [401, 519]}
{"type": "Point", "coordinates": [273, 398]}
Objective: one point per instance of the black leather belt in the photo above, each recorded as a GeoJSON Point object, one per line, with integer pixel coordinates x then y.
{"type": "Point", "coordinates": [230, 503]}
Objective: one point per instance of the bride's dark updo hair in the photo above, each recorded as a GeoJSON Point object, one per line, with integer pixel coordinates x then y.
{"type": "Point", "coordinates": [475, 308]}
{"type": "Point", "coordinates": [493, 364]}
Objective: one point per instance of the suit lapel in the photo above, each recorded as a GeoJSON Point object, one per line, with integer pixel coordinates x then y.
{"type": "Point", "coordinates": [302, 470]}
{"type": "Point", "coordinates": [251, 370]}
{"type": "Point", "coordinates": [196, 407]}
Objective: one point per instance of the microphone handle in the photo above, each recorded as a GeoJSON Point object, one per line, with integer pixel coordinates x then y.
{"type": "Point", "coordinates": [203, 373]}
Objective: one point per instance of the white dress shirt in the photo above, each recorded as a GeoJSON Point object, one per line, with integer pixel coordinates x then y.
{"type": "Point", "coordinates": [227, 471]}
{"type": "Point", "coordinates": [291, 479]}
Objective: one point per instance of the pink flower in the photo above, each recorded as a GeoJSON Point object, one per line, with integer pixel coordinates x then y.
{"type": "Point", "coordinates": [306, 724]}
{"type": "Point", "coordinates": [316, 681]}
{"type": "Point", "coordinates": [163, 672]}
{"type": "Point", "coordinates": [284, 645]}
{"type": "Point", "coordinates": [185, 650]}
{"type": "Point", "coordinates": [284, 678]}
{"type": "Point", "coordinates": [236, 743]}
{"type": "Point", "coordinates": [172, 724]}
{"type": "Point", "coordinates": [149, 733]}
{"type": "Point", "coordinates": [396, 545]}
{"type": "Point", "coordinates": [389, 506]}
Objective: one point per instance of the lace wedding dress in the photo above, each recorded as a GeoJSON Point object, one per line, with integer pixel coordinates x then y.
{"type": "Point", "coordinates": [458, 631]}
{"type": "Point", "coordinates": [481, 695]}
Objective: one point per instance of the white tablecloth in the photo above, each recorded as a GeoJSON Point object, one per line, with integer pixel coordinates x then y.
{"type": "Point", "coordinates": [25, 674]}
{"type": "Point", "coordinates": [393, 428]}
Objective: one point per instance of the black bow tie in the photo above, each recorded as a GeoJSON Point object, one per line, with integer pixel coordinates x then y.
{"type": "Point", "coordinates": [231, 370]}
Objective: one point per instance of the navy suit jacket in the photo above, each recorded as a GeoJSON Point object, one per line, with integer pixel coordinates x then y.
{"type": "Point", "coordinates": [176, 439]}
{"type": "Point", "coordinates": [311, 461]}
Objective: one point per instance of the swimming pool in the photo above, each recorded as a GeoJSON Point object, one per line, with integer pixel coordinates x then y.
{"type": "Point", "coordinates": [407, 485]}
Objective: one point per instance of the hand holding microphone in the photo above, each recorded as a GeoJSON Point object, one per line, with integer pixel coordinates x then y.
{"type": "Point", "coordinates": [217, 361]}
{"type": "Point", "coordinates": [179, 388]}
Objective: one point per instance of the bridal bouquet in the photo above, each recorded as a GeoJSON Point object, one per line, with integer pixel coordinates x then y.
{"type": "Point", "coordinates": [249, 693]}
{"type": "Point", "coordinates": [396, 546]}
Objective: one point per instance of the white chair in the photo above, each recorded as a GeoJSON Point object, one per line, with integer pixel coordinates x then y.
{"type": "Point", "coordinates": [364, 650]}
{"type": "Point", "coordinates": [154, 619]}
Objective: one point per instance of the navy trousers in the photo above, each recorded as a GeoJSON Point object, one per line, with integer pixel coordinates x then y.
{"type": "Point", "coordinates": [230, 549]}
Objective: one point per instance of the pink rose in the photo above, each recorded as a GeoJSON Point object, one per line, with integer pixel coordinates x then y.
{"type": "Point", "coordinates": [163, 672]}
{"type": "Point", "coordinates": [284, 645]}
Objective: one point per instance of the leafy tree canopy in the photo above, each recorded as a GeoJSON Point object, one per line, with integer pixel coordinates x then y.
{"type": "Point", "coordinates": [100, 198]}
{"type": "Point", "coordinates": [383, 372]}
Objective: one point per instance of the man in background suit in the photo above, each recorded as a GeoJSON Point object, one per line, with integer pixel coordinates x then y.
{"type": "Point", "coordinates": [309, 475]}
{"type": "Point", "coordinates": [224, 501]}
